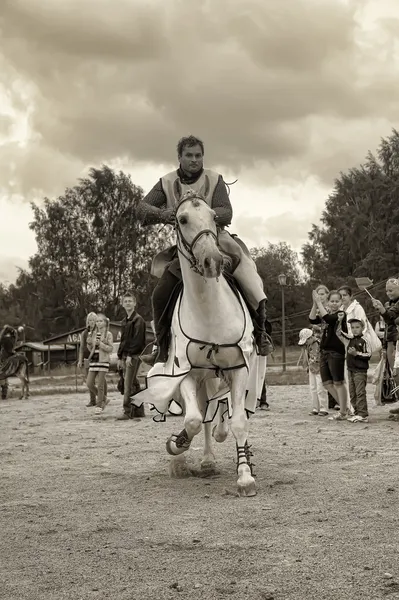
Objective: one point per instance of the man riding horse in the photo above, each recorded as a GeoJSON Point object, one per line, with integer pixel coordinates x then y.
{"type": "Point", "coordinates": [159, 206]}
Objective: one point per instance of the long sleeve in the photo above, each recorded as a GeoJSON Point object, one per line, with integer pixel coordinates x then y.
{"type": "Point", "coordinates": [221, 204]}
{"type": "Point", "coordinates": [366, 349]}
{"type": "Point", "coordinates": [107, 345]}
{"type": "Point", "coordinates": [345, 338]}
{"type": "Point", "coordinates": [391, 313]}
{"type": "Point", "coordinates": [149, 211]}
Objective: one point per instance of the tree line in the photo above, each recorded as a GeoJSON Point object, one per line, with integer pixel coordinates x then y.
{"type": "Point", "coordinates": [91, 247]}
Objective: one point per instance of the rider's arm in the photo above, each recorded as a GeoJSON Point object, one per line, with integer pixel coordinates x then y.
{"type": "Point", "coordinates": [221, 204]}
{"type": "Point", "coordinates": [150, 209]}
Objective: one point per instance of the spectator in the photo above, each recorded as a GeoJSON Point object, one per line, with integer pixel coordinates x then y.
{"type": "Point", "coordinates": [99, 342]}
{"type": "Point", "coordinates": [131, 346]}
{"type": "Point", "coordinates": [332, 355]}
{"type": "Point", "coordinates": [310, 339]}
{"type": "Point", "coordinates": [390, 312]}
{"type": "Point", "coordinates": [323, 292]}
{"type": "Point", "coordinates": [358, 354]}
{"type": "Point", "coordinates": [84, 353]}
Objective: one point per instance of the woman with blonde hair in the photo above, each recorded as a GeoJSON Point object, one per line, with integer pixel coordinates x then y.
{"type": "Point", "coordinates": [91, 320]}
{"type": "Point", "coordinates": [99, 343]}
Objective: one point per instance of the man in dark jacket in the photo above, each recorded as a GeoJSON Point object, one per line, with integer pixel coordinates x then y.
{"type": "Point", "coordinates": [131, 346]}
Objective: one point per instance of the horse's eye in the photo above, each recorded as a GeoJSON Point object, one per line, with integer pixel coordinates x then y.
{"type": "Point", "coordinates": [183, 220]}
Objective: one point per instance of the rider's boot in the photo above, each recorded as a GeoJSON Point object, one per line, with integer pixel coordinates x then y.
{"type": "Point", "coordinates": [160, 299]}
{"type": "Point", "coordinates": [263, 342]}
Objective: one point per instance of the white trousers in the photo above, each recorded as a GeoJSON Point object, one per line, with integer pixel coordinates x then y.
{"type": "Point", "coordinates": [318, 393]}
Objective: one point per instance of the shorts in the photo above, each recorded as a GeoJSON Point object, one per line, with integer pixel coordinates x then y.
{"type": "Point", "coordinates": [332, 367]}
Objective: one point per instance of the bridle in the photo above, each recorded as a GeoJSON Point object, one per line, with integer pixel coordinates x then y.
{"type": "Point", "coordinates": [189, 247]}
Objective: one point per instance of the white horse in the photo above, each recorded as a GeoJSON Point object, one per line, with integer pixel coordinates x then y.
{"type": "Point", "coordinates": [211, 329]}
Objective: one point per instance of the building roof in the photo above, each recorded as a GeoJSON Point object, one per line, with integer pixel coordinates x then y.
{"type": "Point", "coordinates": [73, 337]}
{"type": "Point", "coordinates": [38, 347]}
{"type": "Point", "coordinates": [73, 332]}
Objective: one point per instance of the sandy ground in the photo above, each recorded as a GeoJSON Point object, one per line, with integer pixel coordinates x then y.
{"type": "Point", "coordinates": [88, 511]}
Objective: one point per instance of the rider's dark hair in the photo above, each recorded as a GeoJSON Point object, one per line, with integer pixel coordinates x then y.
{"type": "Point", "coordinates": [189, 142]}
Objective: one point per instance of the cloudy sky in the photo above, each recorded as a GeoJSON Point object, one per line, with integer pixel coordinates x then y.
{"type": "Point", "coordinates": [284, 93]}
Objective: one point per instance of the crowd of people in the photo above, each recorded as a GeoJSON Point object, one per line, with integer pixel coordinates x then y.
{"type": "Point", "coordinates": [338, 346]}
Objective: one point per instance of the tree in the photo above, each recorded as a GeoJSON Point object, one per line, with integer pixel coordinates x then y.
{"type": "Point", "coordinates": [271, 262]}
{"type": "Point", "coordinates": [91, 247]}
{"type": "Point", "coordinates": [359, 231]}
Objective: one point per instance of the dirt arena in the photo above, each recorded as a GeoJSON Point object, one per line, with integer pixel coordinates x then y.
{"type": "Point", "coordinates": [88, 511]}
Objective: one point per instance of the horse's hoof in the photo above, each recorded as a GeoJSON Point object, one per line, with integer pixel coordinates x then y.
{"type": "Point", "coordinates": [171, 447]}
{"type": "Point", "coordinates": [247, 490]}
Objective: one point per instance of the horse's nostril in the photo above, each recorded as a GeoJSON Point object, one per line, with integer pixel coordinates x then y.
{"type": "Point", "coordinates": [207, 263]}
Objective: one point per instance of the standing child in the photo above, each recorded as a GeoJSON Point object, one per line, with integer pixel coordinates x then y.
{"type": "Point", "coordinates": [332, 350]}
{"type": "Point", "coordinates": [84, 353]}
{"type": "Point", "coordinates": [357, 358]}
{"type": "Point", "coordinates": [99, 343]}
{"type": "Point", "coordinates": [310, 339]}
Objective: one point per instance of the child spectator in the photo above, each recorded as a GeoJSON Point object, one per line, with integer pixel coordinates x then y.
{"type": "Point", "coordinates": [310, 339]}
{"type": "Point", "coordinates": [131, 346]}
{"type": "Point", "coordinates": [99, 342]}
{"type": "Point", "coordinates": [323, 292]}
{"type": "Point", "coordinates": [358, 354]}
{"type": "Point", "coordinates": [332, 350]}
{"type": "Point", "coordinates": [84, 353]}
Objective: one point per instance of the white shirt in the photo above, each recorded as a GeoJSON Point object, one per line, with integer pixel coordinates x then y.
{"type": "Point", "coordinates": [355, 311]}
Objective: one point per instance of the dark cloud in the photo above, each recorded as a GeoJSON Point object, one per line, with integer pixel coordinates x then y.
{"type": "Point", "coordinates": [260, 83]}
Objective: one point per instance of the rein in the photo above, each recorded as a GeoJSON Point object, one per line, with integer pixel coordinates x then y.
{"type": "Point", "coordinates": [188, 247]}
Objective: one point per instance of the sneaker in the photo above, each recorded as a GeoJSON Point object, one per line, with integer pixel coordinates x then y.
{"type": "Point", "coordinates": [90, 405]}
{"type": "Point", "coordinates": [323, 413]}
{"type": "Point", "coordinates": [358, 419]}
{"type": "Point", "coordinates": [264, 406]}
{"type": "Point", "coordinates": [98, 410]}
{"type": "Point", "coordinates": [394, 411]}
{"type": "Point", "coordinates": [314, 413]}
{"type": "Point", "coordinates": [337, 417]}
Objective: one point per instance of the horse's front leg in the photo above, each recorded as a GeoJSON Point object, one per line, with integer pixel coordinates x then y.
{"type": "Point", "coordinates": [208, 462]}
{"type": "Point", "coordinates": [239, 427]}
{"type": "Point", "coordinates": [177, 444]}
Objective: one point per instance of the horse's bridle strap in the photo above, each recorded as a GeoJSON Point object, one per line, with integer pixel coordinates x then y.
{"type": "Point", "coordinates": [189, 246]}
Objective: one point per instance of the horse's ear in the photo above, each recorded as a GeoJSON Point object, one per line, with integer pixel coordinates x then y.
{"type": "Point", "coordinates": [204, 191]}
{"type": "Point", "coordinates": [177, 191]}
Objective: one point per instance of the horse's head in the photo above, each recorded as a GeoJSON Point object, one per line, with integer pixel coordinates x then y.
{"type": "Point", "coordinates": [197, 235]}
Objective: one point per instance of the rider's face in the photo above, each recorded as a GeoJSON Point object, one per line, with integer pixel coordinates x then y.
{"type": "Point", "coordinates": [192, 159]}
